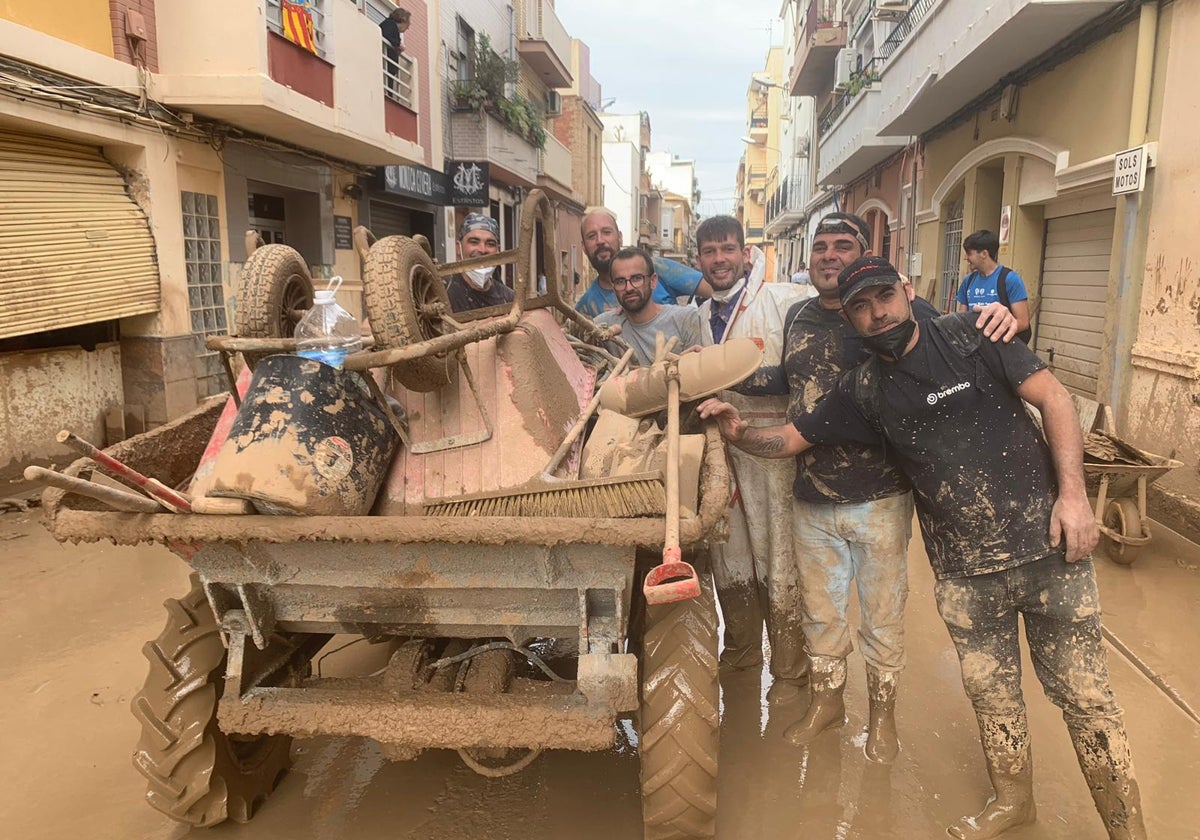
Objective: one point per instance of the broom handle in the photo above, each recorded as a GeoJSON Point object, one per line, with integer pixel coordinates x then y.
{"type": "Point", "coordinates": [671, 540]}
{"type": "Point", "coordinates": [152, 487]}
{"type": "Point", "coordinates": [557, 458]}
{"type": "Point", "coordinates": [123, 500]}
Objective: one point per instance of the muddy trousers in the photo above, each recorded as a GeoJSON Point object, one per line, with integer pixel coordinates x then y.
{"type": "Point", "coordinates": [863, 544]}
{"type": "Point", "coordinates": [1061, 609]}
{"type": "Point", "coordinates": [755, 571]}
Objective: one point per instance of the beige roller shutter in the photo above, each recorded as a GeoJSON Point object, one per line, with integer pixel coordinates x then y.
{"type": "Point", "coordinates": [1070, 321]}
{"type": "Point", "coordinates": [390, 220]}
{"type": "Point", "coordinates": [74, 247]}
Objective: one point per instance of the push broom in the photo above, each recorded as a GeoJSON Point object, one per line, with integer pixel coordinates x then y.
{"type": "Point", "coordinates": [618, 497]}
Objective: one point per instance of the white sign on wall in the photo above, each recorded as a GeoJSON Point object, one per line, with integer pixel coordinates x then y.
{"type": "Point", "coordinates": [1129, 171]}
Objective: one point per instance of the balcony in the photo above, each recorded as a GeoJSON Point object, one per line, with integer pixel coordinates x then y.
{"type": "Point", "coordinates": [820, 38]}
{"type": "Point", "coordinates": [759, 125]}
{"type": "Point", "coordinates": [544, 44]}
{"type": "Point", "coordinates": [944, 53]}
{"type": "Point", "coordinates": [850, 140]}
{"type": "Point", "coordinates": [480, 136]}
{"type": "Point", "coordinates": [785, 207]}
{"type": "Point", "coordinates": [554, 168]}
{"type": "Point", "coordinates": [225, 59]}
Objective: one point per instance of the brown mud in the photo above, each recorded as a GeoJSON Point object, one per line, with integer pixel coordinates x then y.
{"type": "Point", "coordinates": [77, 616]}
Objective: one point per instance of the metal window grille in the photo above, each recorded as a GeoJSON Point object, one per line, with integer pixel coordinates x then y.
{"type": "Point", "coordinates": [206, 294]}
{"type": "Point", "coordinates": [316, 8]}
{"type": "Point", "coordinates": [951, 248]}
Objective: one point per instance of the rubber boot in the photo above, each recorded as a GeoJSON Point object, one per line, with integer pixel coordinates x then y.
{"type": "Point", "coordinates": [1005, 740]}
{"type": "Point", "coordinates": [1108, 768]}
{"type": "Point", "coordinates": [785, 690]}
{"type": "Point", "coordinates": [883, 745]}
{"type": "Point", "coordinates": [827, 710]}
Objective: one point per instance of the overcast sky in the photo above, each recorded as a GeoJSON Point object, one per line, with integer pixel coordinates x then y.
{"type": "Point", "coordinates": [688, 64]}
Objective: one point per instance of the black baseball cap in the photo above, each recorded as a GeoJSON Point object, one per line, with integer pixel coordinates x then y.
{"type": "Point", "coordinates": [865, 272]}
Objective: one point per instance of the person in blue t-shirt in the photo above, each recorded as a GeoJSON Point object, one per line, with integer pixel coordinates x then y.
{"type": "Point", "coordinates": [601, 241]}
{"type": "Point", "coordinates": [989, 281]}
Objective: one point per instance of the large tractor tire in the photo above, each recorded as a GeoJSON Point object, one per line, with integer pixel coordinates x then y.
{"type": "Point", "coordinates": [680, 718]}
{"type": "Point", "coordinates": [400, 284]}
{"type": "Point", "coordinates": [198, 774]}
{"type": "Point", "coordinates": [275, 285]}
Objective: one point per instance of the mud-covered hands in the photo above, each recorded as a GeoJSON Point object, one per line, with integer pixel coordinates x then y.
{"type": "Point", "coordinates": [771, 442]}
{"type": "Point", "coordinates": [1072, 519]}
{"type": "Point", "coordinates": [997, 322]}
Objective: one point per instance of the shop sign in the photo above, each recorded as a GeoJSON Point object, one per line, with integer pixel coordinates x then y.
{"type": "Point", "coordinates": [468, 182]}
{"type": "Point", "coordinates": [343, 233]}
{"type": "Point", "coordinates": [1129, 171]}
{"type": "Point", "coordinates": [419, 182]}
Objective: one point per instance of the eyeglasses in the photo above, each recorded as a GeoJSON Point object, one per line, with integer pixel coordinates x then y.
{"type": "Point", "coordinates": [631, 280]}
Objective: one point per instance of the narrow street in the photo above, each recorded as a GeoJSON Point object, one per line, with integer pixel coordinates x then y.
{"type": "Point", "coordinates": [78, 616]}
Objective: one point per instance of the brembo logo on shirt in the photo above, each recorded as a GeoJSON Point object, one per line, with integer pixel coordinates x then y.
{"type": "Point", "coordinates": [941, 395]}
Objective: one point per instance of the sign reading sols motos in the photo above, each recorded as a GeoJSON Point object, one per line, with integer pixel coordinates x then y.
{"type": "Point", "coordinates": [468, 183]}
{"type": "Point", "coordinates": [1129, 171]}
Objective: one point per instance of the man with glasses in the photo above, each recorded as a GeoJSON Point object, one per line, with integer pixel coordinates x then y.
{"type": "Point", "coordinates": [601, 240]}
{"type": "Point", "coordinates": [641, 319]}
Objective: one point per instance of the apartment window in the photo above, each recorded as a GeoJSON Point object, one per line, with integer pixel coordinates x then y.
{"type": "Point", "coordinates": [206, 294]}
{"type": "Point", "coordinates": [297, 20]}
{"type": "Point", "coordinates": [462, 58]}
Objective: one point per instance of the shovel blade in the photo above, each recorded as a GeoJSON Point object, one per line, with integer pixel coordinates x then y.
{"type": "Point", "coordinates": [671, 582]}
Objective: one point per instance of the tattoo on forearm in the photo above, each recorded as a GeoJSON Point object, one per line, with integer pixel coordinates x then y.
{"type": "Point", "coordinates": [757, 443]}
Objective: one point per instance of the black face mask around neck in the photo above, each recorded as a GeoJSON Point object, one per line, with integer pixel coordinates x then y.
{"type": "Point", "coordinates": [893, 342]}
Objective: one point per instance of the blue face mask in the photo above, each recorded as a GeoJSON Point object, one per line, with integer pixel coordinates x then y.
{"type": "Point", "coordinates": [893, 342]}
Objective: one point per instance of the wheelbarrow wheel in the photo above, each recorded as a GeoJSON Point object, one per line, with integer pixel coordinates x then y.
{"type": "Point", "coordinates": [679, 719]}
{"type": "Point", "coordinates": [275, 286]}
{"type": "Point", "coordinates": [404, 296]}
{"type": "Point", "coordinates": [1122, 516]}
{"type": "Point", "coordinates": [196, 773]}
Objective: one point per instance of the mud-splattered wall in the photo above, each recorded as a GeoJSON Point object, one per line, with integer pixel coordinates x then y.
{"type": "Point", "coordinates": [1163, 414]}
{"type": "Point", "coordinates": [44, 391]}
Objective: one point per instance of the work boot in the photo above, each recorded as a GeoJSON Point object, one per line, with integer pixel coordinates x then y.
{"type": "Point", "coordinates": [827, 710]}
{"type": "Point", "coordinates": [1005, 740]}
{"type": "Point", "coordinates": [883, 745]}
{"type": "Point", "coordinates": [786, 691]}
{"type": "Point", "coordinates": [1108, 768]}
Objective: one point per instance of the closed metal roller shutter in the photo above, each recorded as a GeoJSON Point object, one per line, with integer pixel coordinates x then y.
{"type": "Point", "coordinates": [1070, 322]}
{"type": "Point", "coordinates": [390, 220]}
{"type": "Point", "coordinates": [75, 248]}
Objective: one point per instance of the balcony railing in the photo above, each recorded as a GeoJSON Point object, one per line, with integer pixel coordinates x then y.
{"type": "Point", "coordinates": [545, 44]}
{"type": "Point", "coordinates": [398, 71]}
{"type": "Point", "coordinates": [860, 80]}
{"type": "Point", "coordinates": [905, 27]}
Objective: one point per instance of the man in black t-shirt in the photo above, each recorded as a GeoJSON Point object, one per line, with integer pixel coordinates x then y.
{"type": "Point", "coordinates": [1006, 523]}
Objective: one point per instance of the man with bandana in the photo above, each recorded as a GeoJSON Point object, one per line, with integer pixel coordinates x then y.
{"type": "Point", "coordinates": [756, 577]}
{"type": "Point", "coordinates": [601, 241]}
{"type": "Point", "coordinates": [479, 287]}
{"type": "Point", "coordinates": [1006, 522]}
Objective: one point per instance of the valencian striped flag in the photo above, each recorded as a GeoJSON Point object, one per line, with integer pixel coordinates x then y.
{"type": "Point", "coordinates": [298, 23]}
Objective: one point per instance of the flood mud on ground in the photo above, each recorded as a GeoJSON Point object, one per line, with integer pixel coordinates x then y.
{"type": "Point", "coordinates": [76, 618]}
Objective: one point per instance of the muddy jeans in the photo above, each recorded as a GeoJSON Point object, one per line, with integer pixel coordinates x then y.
{"type": "Point", "coordinates": [865, 543]}
{"type": "Point", "coordinates": [1061, 608]}
{"type": "Point", "coordinates": [755, 571]}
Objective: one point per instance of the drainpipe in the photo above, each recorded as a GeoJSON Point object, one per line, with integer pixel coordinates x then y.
{"type": "Point", "coordinates": [1128, 293]}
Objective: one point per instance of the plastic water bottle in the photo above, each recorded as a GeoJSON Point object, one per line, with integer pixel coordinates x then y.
{"type": "Point", "coordinates": [327, 332]}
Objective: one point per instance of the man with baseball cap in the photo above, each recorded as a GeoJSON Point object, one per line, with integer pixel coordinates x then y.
{"type": "Point", "coordinates": [478, 287]}
{"type": "Point", "coordinates": [1006, 523]}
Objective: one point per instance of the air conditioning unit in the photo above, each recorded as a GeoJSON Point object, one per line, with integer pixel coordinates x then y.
{"type": "Point", "coordinates": [553, 103]}
{"type": "Point", "coordinates": [844, 69]}
{"type": "Point", "coordinates": [890, 9]}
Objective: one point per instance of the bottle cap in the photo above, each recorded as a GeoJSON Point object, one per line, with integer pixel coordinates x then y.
{"type": "Point", "coordinates": [323, 296]}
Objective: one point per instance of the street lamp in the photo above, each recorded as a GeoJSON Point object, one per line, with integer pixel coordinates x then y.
{"type": "Point", "coordinates": [763, 81]}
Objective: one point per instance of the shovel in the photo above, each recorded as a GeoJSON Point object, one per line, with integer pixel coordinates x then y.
{"type": "Point", "coordinates": [672, 580]}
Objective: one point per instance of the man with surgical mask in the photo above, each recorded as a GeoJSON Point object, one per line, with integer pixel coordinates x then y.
{"type": "Point", "coordinates": [756, 576]}
{"type": "Point", "coordinates": [478, 287]}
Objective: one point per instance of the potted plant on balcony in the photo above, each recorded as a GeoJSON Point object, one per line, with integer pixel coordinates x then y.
{"type": "Point", "coordinates": [493, 72]}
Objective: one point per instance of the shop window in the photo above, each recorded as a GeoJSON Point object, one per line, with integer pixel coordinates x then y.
{"type": "Point", "coordinates": [206, 293]}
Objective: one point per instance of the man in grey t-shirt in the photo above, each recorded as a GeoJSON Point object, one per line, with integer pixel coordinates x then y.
{"type": "Point", "coordinates": [641, 318]}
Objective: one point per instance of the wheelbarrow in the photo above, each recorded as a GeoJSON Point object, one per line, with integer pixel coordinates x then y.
{"type": "Point", "coordinates": [1120, 490]}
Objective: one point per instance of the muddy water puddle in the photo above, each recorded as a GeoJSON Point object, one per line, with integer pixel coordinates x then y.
{"type": "Point", "coordinates": [76, 618]}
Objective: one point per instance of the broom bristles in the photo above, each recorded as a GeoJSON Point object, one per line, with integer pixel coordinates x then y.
{"type": "Point", "coordinates": [611, 498]}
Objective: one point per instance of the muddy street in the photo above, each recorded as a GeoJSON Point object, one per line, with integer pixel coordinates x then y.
{"type": "Point", "coordinates": [77, 617]}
